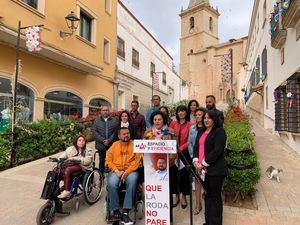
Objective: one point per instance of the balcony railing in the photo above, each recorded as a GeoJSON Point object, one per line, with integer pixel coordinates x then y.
{"type": "Point", "coordinates": [291, 16]}
{"type": "Point", "coordinates": [278, 35]}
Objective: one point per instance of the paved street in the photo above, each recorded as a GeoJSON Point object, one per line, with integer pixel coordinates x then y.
{"type": "Point", "coordinates": [278, 203]}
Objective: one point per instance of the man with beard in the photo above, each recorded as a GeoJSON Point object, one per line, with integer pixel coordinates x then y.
{"type": "Point", "coordinates": [162, 172]}
{"type": "Point", "coordinates": [211, 105]}
{"type": "Point", "coordinates": [122, 163]}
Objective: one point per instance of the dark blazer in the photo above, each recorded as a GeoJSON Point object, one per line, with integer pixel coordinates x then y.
{"type": "Point", "coordinates": [220, 116]}
{"type": "Point", "coordinates": [214, 151]}
{"type": "Point", "coordinates": [104, 130]}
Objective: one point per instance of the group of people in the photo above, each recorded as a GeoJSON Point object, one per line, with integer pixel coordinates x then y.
{"type": "Point", "coordinates": [201, 142]}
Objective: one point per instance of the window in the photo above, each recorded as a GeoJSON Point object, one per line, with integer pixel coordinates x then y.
{"type": "Point", "coordinates": [267, 99]}
{"type": "Point", "coordinates": [264, 13]}
{"type": "Point", "coordinates": [85, 26]}
{"type": "Point", "coordinates": [192, 23]}
{"type": "Point", "coordinates": [282, 56]}
{"type": "Point", "coordinates": [287, 111]}
{"type": "Point", "coordinates": [121, 48]}
{"type": "Point", "coordinates": [164, 78]}
{"type": "Point", "coordinates": [135, 58]}
{"type": "Point", "coordinates": [293, 105]}
{"type": "Point", "coordinates": [32, 3]}
{"type": "Point", "coordinates": [25, 98]}
{"type": "Point", "coordinates": [264, 63]}
{"type": "Point", "coordinates": [108, 6]}
{"type": "Point", "coordinates": [211, 24]}
{"type": "Point", "coordinates": [135, 98]}
{"type": "Point", "coordinates": [152, 69]}
{"type": "Point", "coordinates": [257, 71]}
{"type": "Point", "coordinates": [280, 109]}
{"type": "Point", "coordinates": [106, 49]}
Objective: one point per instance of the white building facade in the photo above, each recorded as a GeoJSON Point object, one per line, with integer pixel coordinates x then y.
{"type": "Point", "coordinates": [272, 88]}
{"type": "Point", "coordinates": [139, 55]}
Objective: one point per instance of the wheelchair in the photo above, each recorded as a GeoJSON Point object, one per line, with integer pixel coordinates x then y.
{"type": "Point", "coordinates": [138, 209]}
{"type": "Point", "coordinates": [88, 183]}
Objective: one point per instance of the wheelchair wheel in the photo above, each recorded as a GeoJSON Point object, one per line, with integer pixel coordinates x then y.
{"type": "Point", "coordinates": [45, 214]}
{"type": "Point", "coordinates": [140, 210]}
{"type": "Point", "coordinates": [92, 186]}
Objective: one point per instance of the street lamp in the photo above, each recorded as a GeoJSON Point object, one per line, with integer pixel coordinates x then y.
{"type": "Point", "coordinates": [72, 21]}
{"type": "Point", "coordinates": [14, 90]}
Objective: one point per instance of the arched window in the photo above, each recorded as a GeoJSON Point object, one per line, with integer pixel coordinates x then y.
{"type": "Point", "coordinates": [96, 103]}
{"type": "Point", "coordinates": [192, 23]}
{"type": "Point", "coordinates": [61, 105]}
{"type": "Point", "coordinates": [211, 24]}
{"type": "Point", "coordinates": [25, 102]}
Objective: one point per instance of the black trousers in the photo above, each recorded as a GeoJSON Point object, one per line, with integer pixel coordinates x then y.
{"type": "Point", "coordinates": [213, 199]}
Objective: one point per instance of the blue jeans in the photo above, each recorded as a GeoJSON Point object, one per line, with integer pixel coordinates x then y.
{"type": "Point", "coordinates": [113, 187]}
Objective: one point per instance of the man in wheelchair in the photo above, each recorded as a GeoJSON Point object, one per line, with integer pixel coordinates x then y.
{"type": "Point", "coordinates": [122, 163]}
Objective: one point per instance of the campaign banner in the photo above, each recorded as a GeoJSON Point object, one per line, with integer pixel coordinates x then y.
{"type": "Point", "coordinates": [157, 194]}
{"type": "Point", "coordinates": [155, 146]}
{"type": "Point", "coordinates": [156, 167]}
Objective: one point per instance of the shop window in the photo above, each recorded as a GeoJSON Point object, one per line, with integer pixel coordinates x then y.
{"type": "Point", "coordinates": [25, 102]}
{"type": "Point", "coordinates": [95, 105]}
{"type": "Point", "coordinates": [61, 105]}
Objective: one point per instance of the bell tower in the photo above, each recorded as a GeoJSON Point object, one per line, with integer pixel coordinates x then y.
{"type": "Point", "coordinates": [199, 29]}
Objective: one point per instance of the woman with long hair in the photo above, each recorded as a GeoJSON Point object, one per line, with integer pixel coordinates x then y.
{"type": "Point", "coordinates": [165, 110]}
{"type": "Point", "coordinates": [181, 127]}
{"type": "Point", "coordinates": [210, 165]}
{"type": "Point", "coordinates": [78, 151]}
{"type": "Point", "coordinates": [191, 143]}
{"type": "Point", "coordinates": [192, 106]}
{"type": "Point", "coordinates": [125, 121]}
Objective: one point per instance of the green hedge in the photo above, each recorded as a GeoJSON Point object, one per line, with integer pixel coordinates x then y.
{"type": "Point", "coordinates": [243, 168]}
{"type": "Point", "coordinates": [40, 139]}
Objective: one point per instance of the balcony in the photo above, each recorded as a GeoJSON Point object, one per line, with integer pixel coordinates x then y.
{"type": "Point", "coordinates": [278, 36]}
{"type": "Point", "coordinates": [291, 16]}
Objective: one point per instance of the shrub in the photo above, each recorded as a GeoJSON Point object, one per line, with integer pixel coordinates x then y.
{"type": "Point", "coordinates": [243, 167]}
{"type": "Point", "coordinates": [39, 139]}
{"type": "Point", "coordinates": [172, 107]}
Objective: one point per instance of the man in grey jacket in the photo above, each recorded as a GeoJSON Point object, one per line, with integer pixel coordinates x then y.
{"type": "Point", "coordinates": [104, 132]}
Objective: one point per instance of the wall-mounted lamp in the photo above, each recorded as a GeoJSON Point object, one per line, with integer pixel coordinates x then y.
{"type": "Point", "coordinates": [72, 21]}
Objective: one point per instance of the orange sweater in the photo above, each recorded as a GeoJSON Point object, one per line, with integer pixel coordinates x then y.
{"type": "Point", "coordinates": [120, 156]}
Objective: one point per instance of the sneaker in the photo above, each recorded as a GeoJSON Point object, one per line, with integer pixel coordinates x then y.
{"type": "Point", "coordinates": [126, 219]}
{"type": "Point", "coordinates": [116, 216]}
{"type": "Point", "coordinates": [64, 194]}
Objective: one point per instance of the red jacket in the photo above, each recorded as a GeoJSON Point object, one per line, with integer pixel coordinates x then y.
{"type": "Point", "coordinates": [184, 130]}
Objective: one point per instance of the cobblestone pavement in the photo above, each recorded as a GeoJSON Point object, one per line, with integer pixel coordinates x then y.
{"type": "Point", "coordinates": [278, 203]}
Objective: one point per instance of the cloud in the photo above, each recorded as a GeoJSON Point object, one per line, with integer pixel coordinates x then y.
{"type": "Point", "coordinates": [162, 17]}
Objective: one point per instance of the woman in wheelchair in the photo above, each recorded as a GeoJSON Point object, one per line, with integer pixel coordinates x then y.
{"type": "Point", "coordinates": [81, 153]}
{"type": "Point", "coordinates": [122, 163]}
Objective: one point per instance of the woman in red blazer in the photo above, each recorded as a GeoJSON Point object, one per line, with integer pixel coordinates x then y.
{"type": "Point", "coordinates": [181, 127]}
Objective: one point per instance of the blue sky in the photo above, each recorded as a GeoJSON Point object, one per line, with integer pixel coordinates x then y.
{"type": "Point", "coordinates": [161, 18]}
